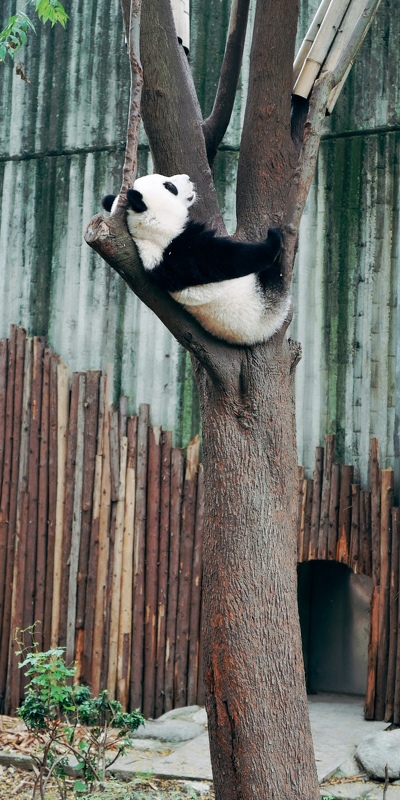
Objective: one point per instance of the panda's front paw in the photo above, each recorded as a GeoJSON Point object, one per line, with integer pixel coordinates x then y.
{"type": "Point", "coordinates": [275, 242]}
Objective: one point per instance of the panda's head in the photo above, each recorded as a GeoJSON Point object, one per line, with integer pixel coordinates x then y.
{"type": "Point", "coordinates": [158, 207]}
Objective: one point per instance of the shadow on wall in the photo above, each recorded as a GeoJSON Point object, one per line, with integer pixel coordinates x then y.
{"type": "Point", "coordinates": [334, 608]}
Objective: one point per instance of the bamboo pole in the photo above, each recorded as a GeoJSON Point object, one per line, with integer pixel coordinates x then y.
{"type": "Point", "coordinates": [319, 49]}
{"type": "Point", "coordinates": [125, 619]}
{"type": "Point", "coordinates": [136, 681]}
{"type": "Point", "coordinates": [185, 574]}
{"type": "Point", "coordinates": [7, 384]}
{"type": "Point", "coordinates": [62, 431]}
{"type": "Point", "coordinates": [177, 461]}
{"type": "Point", "coordinates": [309, 38]}
{"type": "Point", "coordinates": [384, 596]}
{"type": "Point", "coordinates": [3, 404]}
{"type": "Point", "coordinates": [163, 563]}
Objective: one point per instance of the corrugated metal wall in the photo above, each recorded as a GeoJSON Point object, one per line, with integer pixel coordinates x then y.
{"type": "Point", "coordinates": [61, 148]}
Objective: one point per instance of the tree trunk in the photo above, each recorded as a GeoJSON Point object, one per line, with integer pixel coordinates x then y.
{"type": "Point", "coordinates": [260, 737]}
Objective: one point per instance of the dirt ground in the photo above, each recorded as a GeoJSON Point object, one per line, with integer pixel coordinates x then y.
{"type": "Point", "coordinates": [18, 784]}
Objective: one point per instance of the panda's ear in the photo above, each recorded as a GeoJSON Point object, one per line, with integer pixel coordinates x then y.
{"type": "Point", "coordinates": [107, 201]}
{"type": "Point", "coordinates": [135, 201]}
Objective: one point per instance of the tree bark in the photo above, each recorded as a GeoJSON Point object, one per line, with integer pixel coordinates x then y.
{"type": "Point", "coordinates": [260, 737]}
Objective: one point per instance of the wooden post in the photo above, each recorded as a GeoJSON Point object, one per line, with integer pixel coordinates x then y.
{"type": "Point", "coordinates": [325, 497]}
{"type": "Point", "coordinates": [195, 600]}
{"type": "Point", "coordinates": [177, 459]}
{"type": "Point", "coordinates": [334, 502]}
{"type": "Point", "coordinates": [384, 596]}
{"type": "Point", "coordinates": [355, 529]}
{"type": "Point", "coordinates": [76, 523]}
{"type": "Point", "coordinates": [91, 411]}
{"type": "Point", "coordinates": [370, 694]}
{"type": "Point", "coordinates": [33, 481]}
{"type": "Point", "coordinates": [374, 479]}
{"type": "Point", "coordinates": [307, 518]}
{"type": "Point", "coordinates": [365, 534]}
{"type": "Point", "coordinates": [185, 573]}
{"type": "Point", "coordinates": [343, 546]}
{"type": "Point", "coordinates": [62, 430]}
{"type": "Point", "coordinates": [43, 490]}
{"type": "Point", "coordinates": [117, 572]}
{"type": "Point", "coordinates": [393, 616]}
{"type": "Point", "coordinates": [301, 512]}
{"type": "Point", "coordinates": [100, 613]}
{"type": "Point", "coordinates": [316, 506]}
{"type": "Point", "coordinates": [52, 484]}
{"type": "Point", "coordinates": [136, 682]}
{"type": "Point", "coordinates": [72, 438]}
{"type": "Point", "coordinates": [152, 548]}
{"type": "Point", "coordinates": [125, 619]}
{"type": "Point", "coordinates": [163, 563]}
{"type": "Point", "coordinates": [10, 481]}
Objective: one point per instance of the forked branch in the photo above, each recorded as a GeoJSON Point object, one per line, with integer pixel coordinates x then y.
{"type": "Point", "coordinates": [215, 125]}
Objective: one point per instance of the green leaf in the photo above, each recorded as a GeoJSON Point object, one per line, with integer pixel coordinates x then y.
{"type": "Point", "coordinates": [80, 786]}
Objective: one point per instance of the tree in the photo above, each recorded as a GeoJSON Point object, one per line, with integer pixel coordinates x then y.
{"type": "Point", "coordinates": [256, 702]}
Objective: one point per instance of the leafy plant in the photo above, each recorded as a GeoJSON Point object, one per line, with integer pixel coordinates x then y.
{"type": "Point", "coordinates": [67, 720]}
{"type": "Point", "coordinates": [13, 37]}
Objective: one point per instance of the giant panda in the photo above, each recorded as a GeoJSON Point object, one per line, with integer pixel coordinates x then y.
{"type": "Point", "coordinates": [234, 289]}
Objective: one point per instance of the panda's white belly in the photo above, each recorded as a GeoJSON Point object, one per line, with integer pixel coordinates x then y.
{"type": "Point", "coordinates": [235, 310]}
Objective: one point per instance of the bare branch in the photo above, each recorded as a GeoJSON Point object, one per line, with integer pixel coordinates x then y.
{"type": "Point", "coordinates": [215, 125]}
{"type": "Point", "coordinates": [131, 12]}
{"type": "Point", "coordinates": [303, 176]}
{"type": "Point", "coordinates": [267, 155]}
{"type": "Point", "coordinates": [110, 238]}
{"type": "Point", "coordinates": [171, 111]}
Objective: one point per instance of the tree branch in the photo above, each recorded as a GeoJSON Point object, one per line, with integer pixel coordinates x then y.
{"type": "Point", "coordinates": [109, 237]}
{"type": "Point", "coordinates": [132, 136]}
{"type": "Point", "coordinates": [171, 112]}
{"type": "Point", "coordinates": [214, 127]}
{"type": "Point", "coordinates": [303, 176]}
{"type": "Point", "coordinates": [267, 158]}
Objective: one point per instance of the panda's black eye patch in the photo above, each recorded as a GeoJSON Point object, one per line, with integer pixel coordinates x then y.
{"type": "Point", "coordinates": [171, 187]}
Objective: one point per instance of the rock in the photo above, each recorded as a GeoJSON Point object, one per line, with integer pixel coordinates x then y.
{"type": "Point", "coordinates": [170, 730]}
{"type": "Point", "coordinates": [379, 750]}
{"type": "Point", "coordinates": [200, 717]}
{"type": "Point", "coordinates": [186, 711]}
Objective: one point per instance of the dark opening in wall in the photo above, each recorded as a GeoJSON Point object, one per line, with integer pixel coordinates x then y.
{"type": "Point", "coordinates": [334, 608]}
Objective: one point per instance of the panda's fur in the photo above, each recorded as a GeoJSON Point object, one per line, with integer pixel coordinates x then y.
{"type": "Point", "coordinates": [234, 289]}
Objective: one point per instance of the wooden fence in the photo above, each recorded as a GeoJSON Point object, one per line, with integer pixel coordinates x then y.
{"type": "Point", "coordinates": [101, 524]}
{"type": "Point", "coordinates": [340, 521]}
